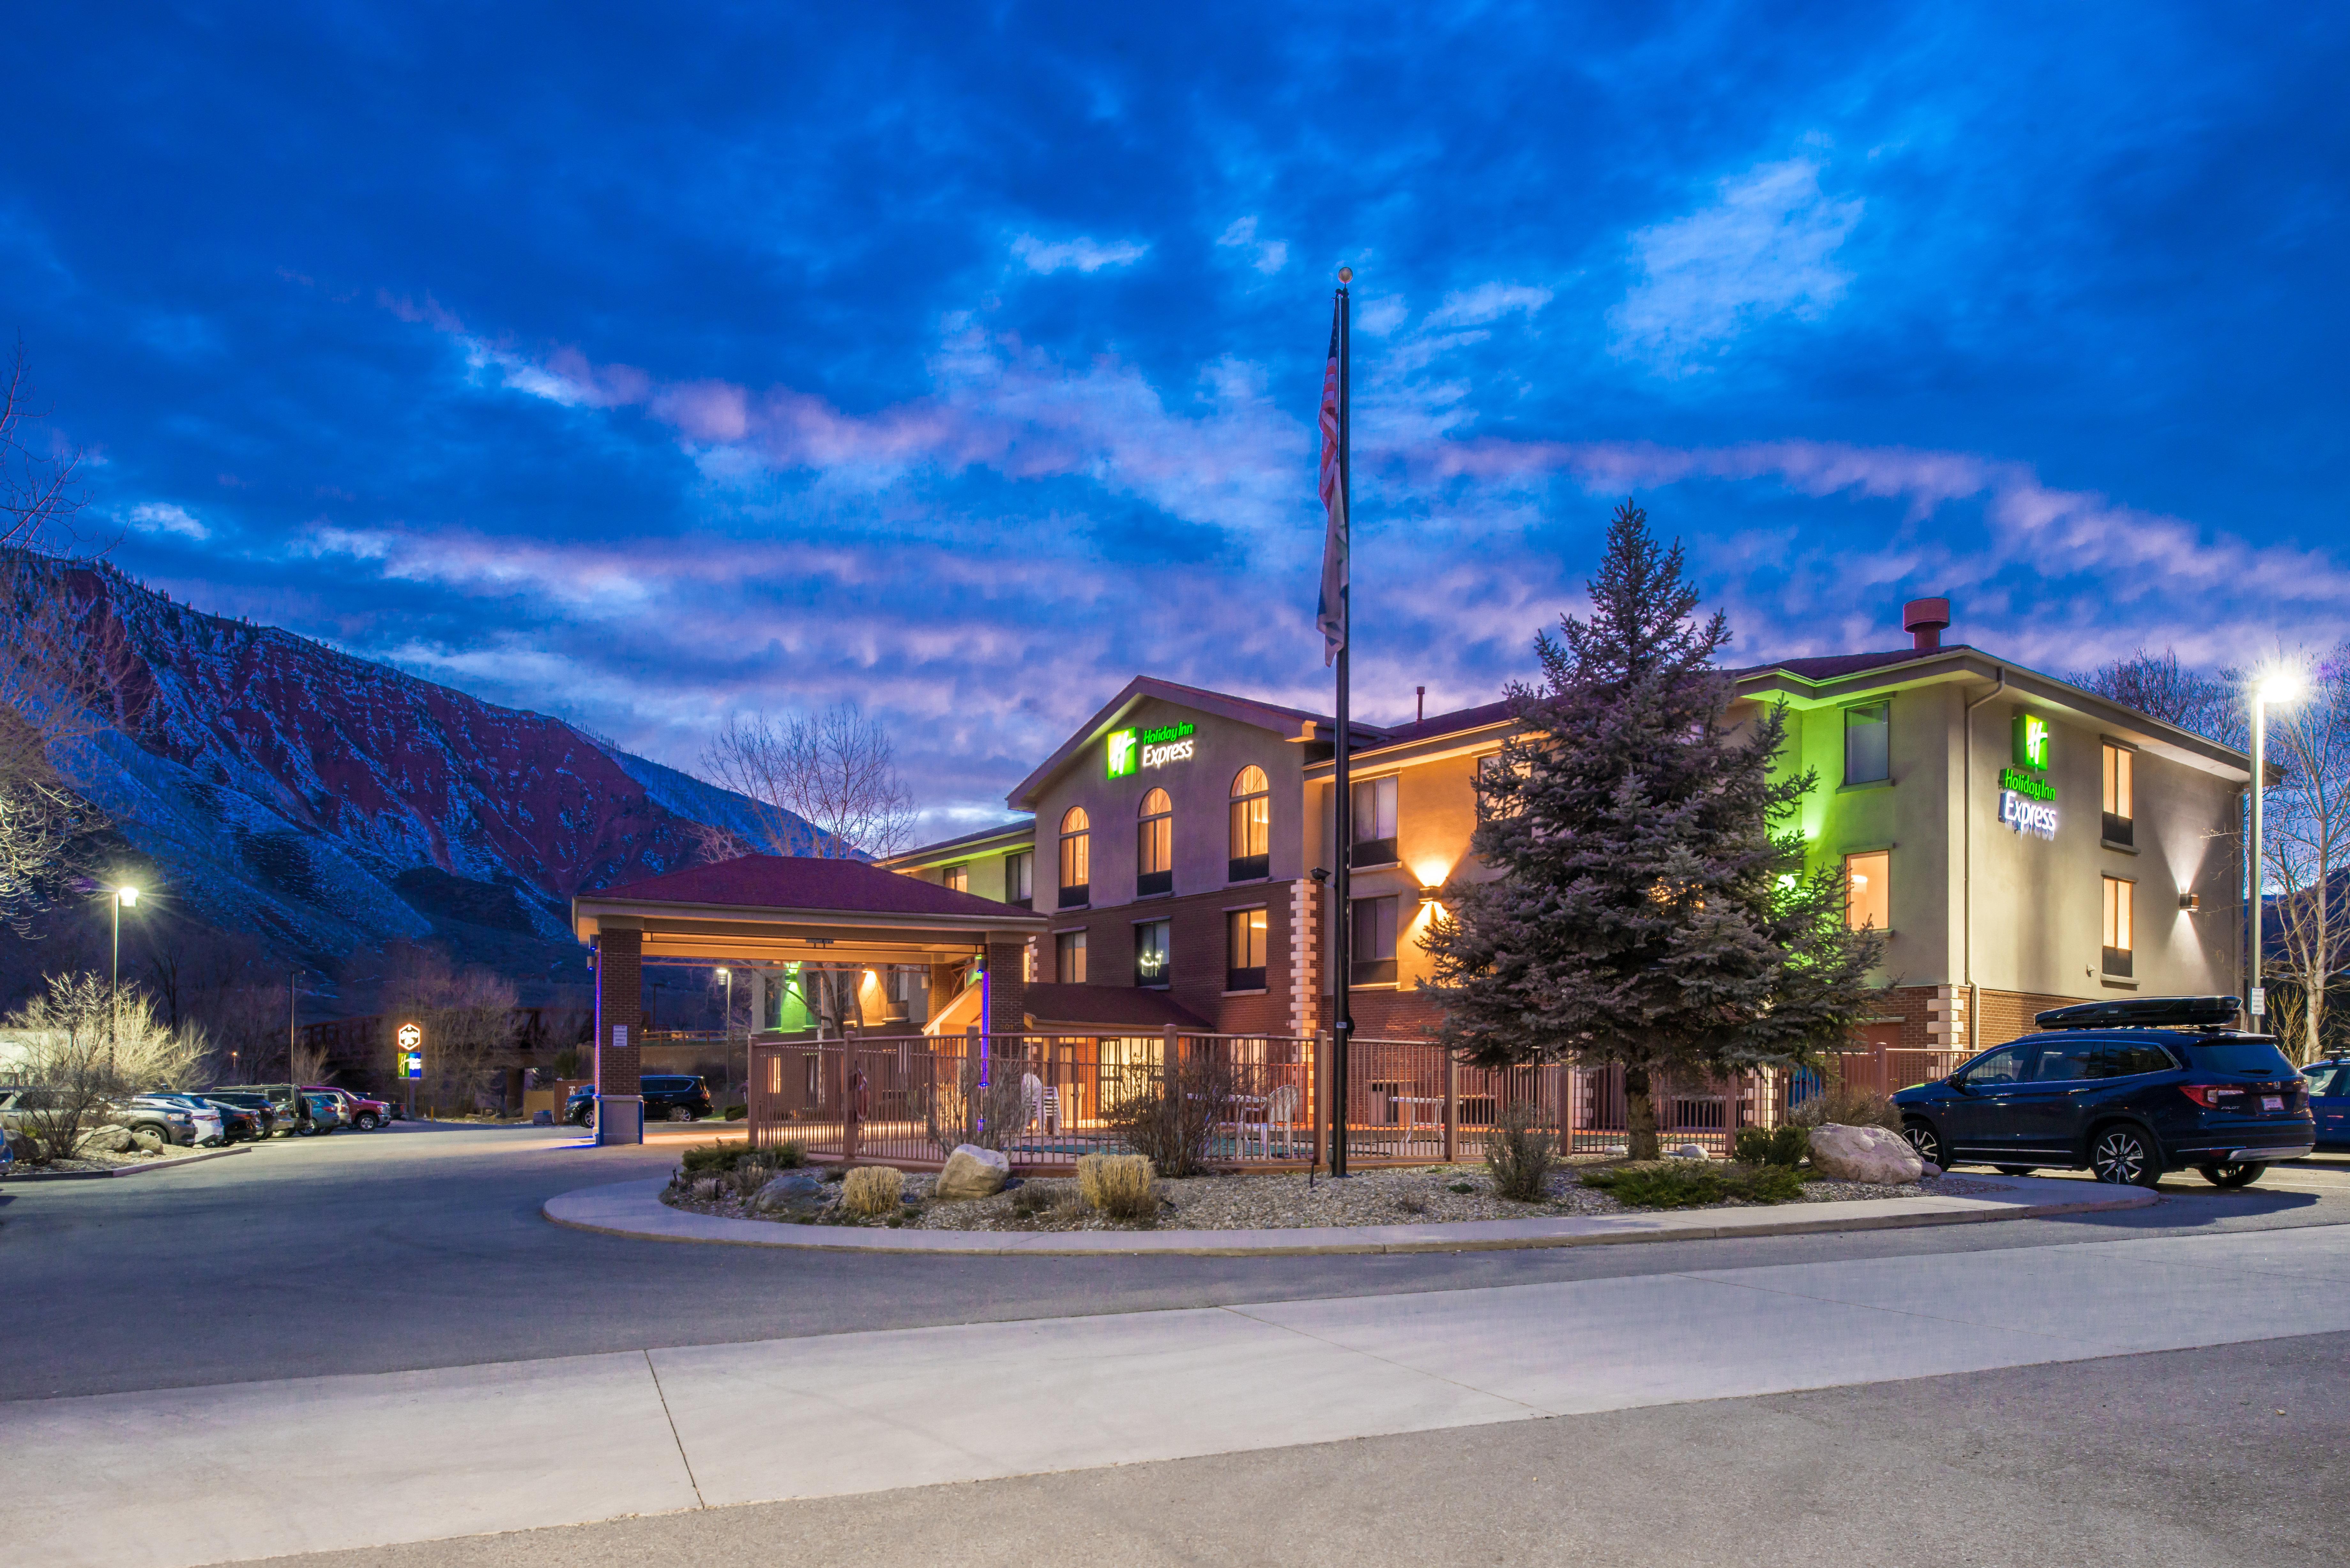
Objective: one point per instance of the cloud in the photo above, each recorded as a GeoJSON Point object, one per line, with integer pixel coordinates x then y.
{"type": "Point", "coordinates": [1766, 248]}
{"type": "Point", "coordinates": [1084, 254]}
{"type": "Point", "coordinates": [167, 517]}
{"type": "Point", "coordinates": [1486, 302]}
{"type": "Point", "coordinates": [1268, 256]}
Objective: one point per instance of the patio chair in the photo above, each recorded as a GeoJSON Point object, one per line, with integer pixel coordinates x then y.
{"type": "Point", "coordinates": [1280, 1109]}
{"type": "Point", "coordinates": [1033, 1098]}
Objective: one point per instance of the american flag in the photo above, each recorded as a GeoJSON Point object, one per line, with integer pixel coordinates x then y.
{"type": "Point", "coordinates": [1331, 617]}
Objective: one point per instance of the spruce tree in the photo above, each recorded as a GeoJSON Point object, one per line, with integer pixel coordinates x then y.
{"type": "Point", "coordinates": [1651, 907]}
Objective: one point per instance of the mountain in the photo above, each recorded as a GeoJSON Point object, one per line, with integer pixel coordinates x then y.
{"type": "Point", "coordinates": [322, 803]}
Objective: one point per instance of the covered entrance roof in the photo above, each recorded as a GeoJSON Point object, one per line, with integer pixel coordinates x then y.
{"type": "Point", "coordinates": [789, 909]}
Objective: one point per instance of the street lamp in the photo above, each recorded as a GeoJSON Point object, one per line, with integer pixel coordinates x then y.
{"type": "Point", "coordinates": [124, 897]}
{"type": "Point", "coordinates": [727, 1031]}
{"type": "Point", "coordinates": [2279, 686]}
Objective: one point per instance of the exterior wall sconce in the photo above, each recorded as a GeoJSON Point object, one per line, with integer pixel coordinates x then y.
{"type": "Point", "coordinates": [1430, 895]}
{"type": "Point", "coordinates": [2190, 902]}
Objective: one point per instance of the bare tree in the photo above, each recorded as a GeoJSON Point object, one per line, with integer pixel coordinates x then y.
{"type": "Point", "coordinates": [2308, 845]}
{"type": "Point", "coordinates": [2179, 694]}
{"type": "Point", "coordinates": [467, 1016]}
{"type": "Point", "coordinates": [835, 771]}
{"type": "Point", "coordinates": [79, 1046]}
{"type": "Point", "coordinates": [54, 661]}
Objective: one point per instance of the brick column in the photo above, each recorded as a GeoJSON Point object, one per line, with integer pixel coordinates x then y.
{"type": "Point", "coordinates": [1007, 985]}
{"type": "Point", "coordinates": [620, 1003]}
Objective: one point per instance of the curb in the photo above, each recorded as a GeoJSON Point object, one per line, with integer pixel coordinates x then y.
{"type": "Point", "coordinates": [196, 1159]}
{"type": "Point", "coordinates": [633, 1210]}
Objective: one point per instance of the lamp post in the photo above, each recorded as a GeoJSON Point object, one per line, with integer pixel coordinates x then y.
{"type": "Point", "coordinates": [2273, 688]}
{"type": "Point", "coordinates": [726, 1029]}
{"type": "Point", "coordinates": [124, 896]}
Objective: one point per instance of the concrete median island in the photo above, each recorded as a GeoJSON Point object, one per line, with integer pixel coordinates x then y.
{"type": "Point", "coordinates": [636, 1209]}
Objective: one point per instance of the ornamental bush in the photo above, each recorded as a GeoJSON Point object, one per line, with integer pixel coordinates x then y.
{"type": "Point", "coordinates": [873, 1189]}
{"type": "Point", "coordinates": [1118, 1185]}
{"type": "Point", "coordinates": [1692, 1184]}
{"type": "Point", "coordinates": [1519, 1155]}
{"type": "Point", "coordinates": [1773, 1146]}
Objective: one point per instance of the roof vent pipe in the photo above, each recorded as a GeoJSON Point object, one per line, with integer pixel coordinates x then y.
{"type": "Point", "coordinates": [1924, 619]}
{"type": "Point", "coordinates": [1421, 716]}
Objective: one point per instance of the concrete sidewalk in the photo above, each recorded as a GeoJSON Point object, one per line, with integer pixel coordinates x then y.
{"type": "Point", "coordinates": [635, 1208]}
{"type": "Point", "coordinates": [204, 1475]}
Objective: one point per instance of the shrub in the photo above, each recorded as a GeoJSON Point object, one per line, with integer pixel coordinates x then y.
{"type": "Point", "coordinates": [1118, 1185]}
{"type": "Point", "coordinates": [1691, 1183]}
{"type": "Point", "coordinates": [720, 1158]}
{"type": "Point", "coordinates": [736, 1113]}
{"type": "Point", "coordinates": [1171, 1119]}
{"type": "Point", "coordinates": [1841, 1104]}
{"type": "Point", "coordinates": [713, 1157]}
{"type": "Point", "coordinates": [874, 1189]}
{"type": "Point", "coordinates": [1520, 1156]}
{"type": "Point", "coordinates": [1783, 1146]}
{"type": "Point", "coordinates": [962, 1110]}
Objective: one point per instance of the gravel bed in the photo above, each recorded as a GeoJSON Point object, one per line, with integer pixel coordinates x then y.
{"type": "Point", "coordinates": [1416, 1196]}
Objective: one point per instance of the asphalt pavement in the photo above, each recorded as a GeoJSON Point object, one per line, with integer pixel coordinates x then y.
{"type": "Point", "coordinates": [421, 1247]}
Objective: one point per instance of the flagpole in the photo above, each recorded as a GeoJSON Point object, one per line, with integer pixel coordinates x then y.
{"type": "Point", "coordinates": [1342, 920]}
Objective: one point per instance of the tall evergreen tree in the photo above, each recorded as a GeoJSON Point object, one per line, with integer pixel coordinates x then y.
{"type": "Point", "coordinates": [1652, 908]}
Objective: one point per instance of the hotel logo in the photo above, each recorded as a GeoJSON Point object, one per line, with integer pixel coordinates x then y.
{"type": "Point", "coordinates": [1122, 753]}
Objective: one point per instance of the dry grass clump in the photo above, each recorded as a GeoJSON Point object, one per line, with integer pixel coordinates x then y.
{"type": "Point", "coordinates": [873, 1189]}
{"type": "Point", "coordinates": [1118, 1185]}
{"type": "Point", "coordinates": [1519, 1155]}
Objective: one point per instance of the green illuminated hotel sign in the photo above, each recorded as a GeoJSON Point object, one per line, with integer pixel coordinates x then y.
{"type": "Point", "coordinates": [1151, 748]}
{"type": "Point", "coordinates": [2027, 800]}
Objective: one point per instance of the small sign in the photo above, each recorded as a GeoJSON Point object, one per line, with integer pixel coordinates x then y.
{"type": "Point", "coordinates": [620, 1036]}
{"type": "Point", "coordinates": [411, 1036]}
{"type": "Point", "coordinates": [411, 1063]}
{"type": "Point", "coordinates": [2260, 1000]}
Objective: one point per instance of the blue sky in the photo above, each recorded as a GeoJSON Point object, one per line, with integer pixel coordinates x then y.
{"type": "Point", "coordinates": [642, 365]}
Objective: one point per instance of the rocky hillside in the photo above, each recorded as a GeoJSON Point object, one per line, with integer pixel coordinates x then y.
{"type": "Point", "coordinates": [322, 803]}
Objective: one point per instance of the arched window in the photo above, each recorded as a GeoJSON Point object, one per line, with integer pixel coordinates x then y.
{"type": "Point", "coordinates": [1076, 858]}
{"type": "Point", "coordinates": [1252, 826]}
{"type": "Point", "coordinates": [1154, 846]}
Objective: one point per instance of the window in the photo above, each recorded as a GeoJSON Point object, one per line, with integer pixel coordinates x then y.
{"type": "Point", "coordinates": [1868, 744]}
{"type": "Point", "coordinates": [2066, 1064]}
{"type": "Point", "coordinates": [1245, 949]}
{"type": "Point", "coordinates": [1375, 822]}
{"type": "Point", "coordinates": [1069, 958]}
{"type": "Point", "coordinates": [1992, 1068]}
{"type": "Point", "coordinates": [1371, 958]}
{"type": "Point", "coordinates": [1868, 891]}
{"type": "Point", "coordinates": [1252, 826]}
{"type": "Point", "coordinates": [957, 878]}
{"type": "Point", "coordinates": [1076, 858]}
{"type": "Point", "coordinates": [1154, 846]}
{"type": "Point", "coordinates": [2120, 825]}
{"type": "Point", "coordinates": [2119, 895]}
{"type": "Point", "coordinates": [1151, 961]}
{"type": "Point", "coordinates": [2122, 1060]}
{"type": "Point", "coordinates": [1020, 879]}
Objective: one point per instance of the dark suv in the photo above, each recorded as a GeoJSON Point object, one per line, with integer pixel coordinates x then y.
{"type": "Point", "coordinates": [669, 1096]}
{"type": "Point", "coordinates": [2128, 1090]}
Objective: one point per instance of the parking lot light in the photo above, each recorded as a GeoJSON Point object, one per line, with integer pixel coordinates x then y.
{"type": "Point", "coordinates": [2276, 686]}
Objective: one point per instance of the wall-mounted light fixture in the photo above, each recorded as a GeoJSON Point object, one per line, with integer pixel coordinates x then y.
{"type": "Point", "coordinates": [2190, 902]}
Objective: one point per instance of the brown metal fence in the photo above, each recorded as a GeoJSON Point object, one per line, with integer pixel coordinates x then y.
{"type": "Point", "coordinates": [1046, 1099]}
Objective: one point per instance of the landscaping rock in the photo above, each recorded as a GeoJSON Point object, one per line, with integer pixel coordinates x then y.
{"type": "Point", "coordinates": [973, 1172]}
{"type": "Point", "coordinates": [108, 1140]}
{"type": "Point", "coordinates": [1689, 1151]}
{"type": "Point", "coordinates": [793, 1192]}
{"type": "Point", "coordinates": [542, 1118]}
{"type": "Point", "coordinates": [1879, 1156]}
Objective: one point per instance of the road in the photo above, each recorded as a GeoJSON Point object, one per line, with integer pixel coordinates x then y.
{"type": "Point", "coordinates": [422, 1249]}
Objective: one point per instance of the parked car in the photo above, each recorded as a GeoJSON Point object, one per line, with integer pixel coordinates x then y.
{"type": "Point", "coordinates": [325, 1113]}
{"type": "Point", "coordinates": [239, 1124]}
{"type": "Point", "coordinates": [208, 1126]}
{"type": "Point", "coordinates": [2127, 1090]}
{"type": "Point", "coordinates": [579, 1110]}
{"type": "Point", "coordinates": [267, 1113]}
{"type": "Point", "coordinates": [675, 1097]}
{"type": "Point", "coordinates": [358, 1110]}
{"type": "Point", "coordinates": [2329, 1100]}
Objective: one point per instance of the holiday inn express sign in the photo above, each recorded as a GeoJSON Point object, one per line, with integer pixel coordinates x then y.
{"type": "Point", "coordinates": [2027, 800]}
{"type": "Point", "coordinates": [1151, 748]}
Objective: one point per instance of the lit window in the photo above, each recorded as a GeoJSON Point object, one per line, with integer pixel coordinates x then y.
{"type": "Point", "coordinates": [1151, 963]}
{"type": "Point", "coordinates": [957, 878]}
{"type": "Point", "coordinates": [1245, 949]}
{"type": "Point", "coordinates": [1375, 822]}
{"type": "Point", "coordinates": [2120, 924]}
{"type": "Point", "coordinates": [1076, 858]}
{"type": "Point", "coordinates": [1154, 846]}
{"type": "Point", "coordinates": [1252, 826]}
{"type": "Point", "coordinates": [1868, 744]}
{"type": "Point", "coordinates": [1868, 891]}
{"type": "Point", "coordinates": [1372, 961]}
{"type": "Point", "coordinates": [1069, 958]}
{"type": "Point", "coordinates": [2120, 765]}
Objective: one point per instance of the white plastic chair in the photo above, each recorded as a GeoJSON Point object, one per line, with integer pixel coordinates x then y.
{"type": "Point", "coordinates": [1033, 1097]}
{"type": "Point", "coordinates": [1281, 1109]}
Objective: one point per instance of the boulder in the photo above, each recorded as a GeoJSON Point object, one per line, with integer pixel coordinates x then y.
{"type": "Point", "coordinates": [792, 1192]}
{"type": "Point", "coordinates": [108, 1140]}
{"type": "Point", "coordinates": [1879, 1156]}
{"type": "Point", "coordinates": [973, 1172]}
{"type": "Point", "coordinates": [1688, 1151]}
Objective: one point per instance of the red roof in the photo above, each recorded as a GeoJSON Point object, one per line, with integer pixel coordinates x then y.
{"type": "Point", "coordinates": [802, 882]}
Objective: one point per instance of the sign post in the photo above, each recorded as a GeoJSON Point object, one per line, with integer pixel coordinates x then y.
{"type": "Point", "coordinates": [411, 1039]}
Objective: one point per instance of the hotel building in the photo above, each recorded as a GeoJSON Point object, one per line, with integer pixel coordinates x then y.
{"type": "Point", "coordinates": [2022, 842]}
